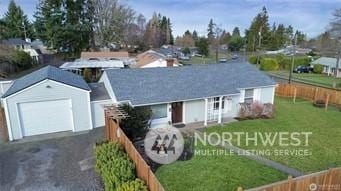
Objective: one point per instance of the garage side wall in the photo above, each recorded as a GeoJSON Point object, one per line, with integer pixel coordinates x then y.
{"type": "Point", "coordinates": [97, 111]}
{"type": "Point", "coordinates": [47, 91]}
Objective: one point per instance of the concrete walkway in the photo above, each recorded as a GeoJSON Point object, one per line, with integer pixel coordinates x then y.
{"type": "Point", "coordinates": [259, 159]}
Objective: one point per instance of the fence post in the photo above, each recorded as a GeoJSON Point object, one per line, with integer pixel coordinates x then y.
{"type": "Point", "coordinates": [295, 93]}
{"type": "Point", "coordinates": [327, 101]}
{"type": "Point", "coordinates": [289, 183]}
{"type": "Point", "coordinates": [315, 95]}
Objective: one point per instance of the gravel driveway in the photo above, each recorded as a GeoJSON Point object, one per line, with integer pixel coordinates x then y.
{"type": "Point", "coordinates": [55, 164]}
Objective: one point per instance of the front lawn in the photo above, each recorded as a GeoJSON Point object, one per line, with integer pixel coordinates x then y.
{"type": "Point", "coordinates": [320, 79]}
{"type": "Point", "coordinates": [324, 143]}
{"type": "Point", "coordinates": [211, 173]}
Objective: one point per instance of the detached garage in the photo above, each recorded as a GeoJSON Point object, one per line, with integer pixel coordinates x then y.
{"type": "Point", "coordinates": [48, 100]}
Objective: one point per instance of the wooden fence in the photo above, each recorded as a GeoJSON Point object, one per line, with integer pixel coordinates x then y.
{"type": "Point", "coordinates": [115, 133]}
{"type": "Point", "coordinates": [328, 180]}
{"type": "Point", "coordinates": [309, 92]}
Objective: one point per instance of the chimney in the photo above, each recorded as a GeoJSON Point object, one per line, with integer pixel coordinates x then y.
{"type": "Point", "coordinates": [170, 62]}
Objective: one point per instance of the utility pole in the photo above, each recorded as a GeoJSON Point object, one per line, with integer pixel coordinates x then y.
{"type": "Point", "coordinates": [24, 27]}
{"type": "Point", "coordinates": [259, 44]}
{"type": "Point", "coordinates": [293, 59]}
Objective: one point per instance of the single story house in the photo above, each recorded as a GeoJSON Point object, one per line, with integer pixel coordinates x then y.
{"type": "Point", "coordinates": [109, 55]}
{"type": "Point", "coordinates": [329, 65]}
{"type": "Point", "coordinates": [25, 45]}
{"type": "Point", "coordinates": [197, 93]}
{"type": "Point", "coordinates": [51, 100]}
{"type": "Point", "coordinates": [151, 59]}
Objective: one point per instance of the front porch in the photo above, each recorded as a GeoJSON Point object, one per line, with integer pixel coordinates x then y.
{"type": "Point", "coordinates": [189, 128]}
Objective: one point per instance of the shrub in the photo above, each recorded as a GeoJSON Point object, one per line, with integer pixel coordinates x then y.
{"type": "Point", "coordinates": [136, 125]}
{"type": "Point", "coordinates": [136, 185]}
{"type": "Point", "coordinates": [255, 110]}
{"type": "Point", "coordinates": [114, 165]}
{"type": "Point", "coordinates": [268, 64]}
{"type": "Point", "coordinates": [87, 75]}
{"type": "Point", "coordinates": [318, 68]}
{"type": "Point", "coordinates": [252, 59]}
{"type": "Point", "coordinates": [22, 59]}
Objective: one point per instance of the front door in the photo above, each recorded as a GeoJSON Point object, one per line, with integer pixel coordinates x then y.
{"type": "Point", "coordinates": [177, 112]}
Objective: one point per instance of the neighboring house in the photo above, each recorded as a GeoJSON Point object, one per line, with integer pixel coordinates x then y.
{"type": "Point", "coordinates": [97, 62]}
{"type": "Point", "coordinates": [197, 93]}
{"type": "Point", "coordinates": [329, 65]}
{"type": "Point", "coordinates": [121, 55]}
{"type": "Point", "coordinates": [152, 59]}
{"type": "Point", "coordinates": [24, 46]}
{"type": "Point", "coordinates": [46, 101]}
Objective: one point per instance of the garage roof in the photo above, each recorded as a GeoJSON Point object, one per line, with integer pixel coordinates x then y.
{"type": "Point", "coordinates": [48, 72]}
{"type": "Point", "coordinates": [169, 84]}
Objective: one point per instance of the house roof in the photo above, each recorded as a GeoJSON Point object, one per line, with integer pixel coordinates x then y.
{"type": "Point", "coordinates": [88, 55]}
{"type": "Point", "coordinates": [93, 64]}
{"type": "Point", "coordinates": [169, 84]}
{"type": "Point", "coordinates": [98, 92]}
{"type": "Point", "coordinates": [48, 72]}
{"type": "Point", "coordinates": [327, 61]}
{"type": "Point", "coordinates": [148, 57]}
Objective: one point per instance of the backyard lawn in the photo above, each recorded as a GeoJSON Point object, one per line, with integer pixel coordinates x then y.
{"type": "Point", "coordinates": [211, 173]}
{"type": "Point", "coordinates": [324, 143]}
{"type": "Point", "coordinates": [320, 79]}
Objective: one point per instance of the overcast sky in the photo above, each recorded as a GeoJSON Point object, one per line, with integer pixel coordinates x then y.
{"type": "Point", "coordinates": [309, 16]}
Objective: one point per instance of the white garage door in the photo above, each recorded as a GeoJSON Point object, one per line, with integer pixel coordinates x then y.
{"type": "Point", "coordinates": [45, 117]}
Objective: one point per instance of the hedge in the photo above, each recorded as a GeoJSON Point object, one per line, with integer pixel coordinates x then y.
{"type": "Point", "coordinates": [114, 166]}
{"type": "Point", "coordinates": [252, 59]}
{"type": "Point", "coordinates": [136, 185]}
{"type": "Point", "coordinates": [318, 68]}
{"type": "Point", "coordinates": [269, 64]}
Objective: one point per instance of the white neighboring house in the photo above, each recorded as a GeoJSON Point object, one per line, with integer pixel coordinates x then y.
{"type": "Point", "coordinates": [152, 59]}
{"type": "Point", "coordinates": [46, 101]}
{"type": "Point", "coordinates": [24, 45]}
{"type": "Point", "coordinates": [197, 93]}
{"type": "Point", "coordinates": [329, 65]}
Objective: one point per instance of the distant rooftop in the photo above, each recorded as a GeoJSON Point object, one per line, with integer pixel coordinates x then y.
{"type": "Point", "coordinates": [89, 55]}
{"type": "Point", "coordinates": [327, 61]}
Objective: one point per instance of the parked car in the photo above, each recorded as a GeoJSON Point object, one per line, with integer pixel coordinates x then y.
{"type": "Point", "coordinates": [303, 69]}
{"type": "Point", "coordinates": [234, 57]}
{"type": "Point", "coordinates": [186, 58]}
{"type": "Point", "coordinates": [222, 60]}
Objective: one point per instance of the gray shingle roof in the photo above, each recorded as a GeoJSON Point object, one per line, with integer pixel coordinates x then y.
{"type": "Point", "coordinates": [326, 61]}
{"type": "Point", "coordinates": [48, 72]}
{"type": "Point", "coordinates": [161, 85]}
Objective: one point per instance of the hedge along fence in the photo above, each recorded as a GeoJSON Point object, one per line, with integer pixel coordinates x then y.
{"type": "Point", "coordinates": [143, 171]}
{"type": "Point", "coordinates": [309, 92]}
{"type": "Point", "coordinates": [327, 180]}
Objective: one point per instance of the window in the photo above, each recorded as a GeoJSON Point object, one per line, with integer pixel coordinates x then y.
{"type": "Point", "coordinates": [216, 103]}
{"type": "Point", "coordinates": [248, 98]}
{"type": "Point", "coordinates": [159, 111]}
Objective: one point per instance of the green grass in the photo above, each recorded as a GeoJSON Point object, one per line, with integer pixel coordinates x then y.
{"type": "Point", "coordinates": [211, 59]}
{"type": "Point", "coordinates": [211, 173]}
{"type": "Point", "coordinates": [324, 143]}
{"type": "Point", "coordinates": [321, 79]}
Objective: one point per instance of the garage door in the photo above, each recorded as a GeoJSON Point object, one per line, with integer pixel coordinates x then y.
{"type": "Point", "coordinates": [45, 117]}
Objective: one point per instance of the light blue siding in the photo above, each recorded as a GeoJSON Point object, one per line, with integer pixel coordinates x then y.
{"type": "Point", "coordinates": [51, 90]}
{"type": "Point", "coordinates": [267, 95]}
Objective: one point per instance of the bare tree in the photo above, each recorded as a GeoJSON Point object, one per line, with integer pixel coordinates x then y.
{"type": "Point", "coordinates": [112, 21]}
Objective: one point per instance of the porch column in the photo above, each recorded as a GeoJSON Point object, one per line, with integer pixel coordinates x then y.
{"type": "Point", "coordinates": [206, 107]}
{"type": "Point", "coordinates": [220, 109]}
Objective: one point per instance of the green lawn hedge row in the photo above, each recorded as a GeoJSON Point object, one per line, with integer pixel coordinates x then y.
{"type": "Point", "coordinates": [284, 62]}
{"type": "Point", "coordinates": [116, 169]}
{"type": "Point", "coordinates": [268, 64]}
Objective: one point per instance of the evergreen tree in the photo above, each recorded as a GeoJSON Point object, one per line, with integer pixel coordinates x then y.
{"type": "Point", "coordinates": [16, 24]}
{"type": "Point", "coordinates": [65, 25]}
{"type": "Point", "coordinates": [210, 31]}
{"type": "Point", "coordinates": [195, 36]}
{"type": "Point", "coordinates": [236, 32]}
